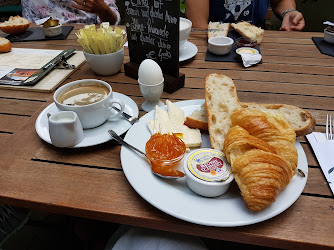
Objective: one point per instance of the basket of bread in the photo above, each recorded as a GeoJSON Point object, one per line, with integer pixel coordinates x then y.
{"type": "Point", "coordinates": [15, 25]}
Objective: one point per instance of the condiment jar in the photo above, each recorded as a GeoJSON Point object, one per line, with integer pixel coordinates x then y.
{"type": "Point", "coordinates": [208, 173]}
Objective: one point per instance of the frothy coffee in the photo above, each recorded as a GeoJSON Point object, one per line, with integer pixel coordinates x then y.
{"type": "Point", "coordinates": [83, 95]}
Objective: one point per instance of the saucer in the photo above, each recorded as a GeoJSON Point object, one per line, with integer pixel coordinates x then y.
{"type": "Point", "coordinates": [188, 51]}
{"type": "Point", "coordinates": [93, 136]}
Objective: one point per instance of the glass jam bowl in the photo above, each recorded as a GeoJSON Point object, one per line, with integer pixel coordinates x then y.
{"type": "Point", "coordinates": [165, 151]}
{"type": "Point", "coordinates": [245, 42]}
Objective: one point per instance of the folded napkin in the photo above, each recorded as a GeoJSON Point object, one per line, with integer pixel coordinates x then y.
{"type": "Point", "coordinates": [324, 151]}
{"type": "Point", "coordinates": [250, 59]}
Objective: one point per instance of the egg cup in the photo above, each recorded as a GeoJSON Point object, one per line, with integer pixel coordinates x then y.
{"type": "Point", "coordinates": [152, 94]}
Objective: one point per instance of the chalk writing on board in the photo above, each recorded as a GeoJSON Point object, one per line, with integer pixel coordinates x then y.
{"type": "Point", "coordinates": [153, 32]}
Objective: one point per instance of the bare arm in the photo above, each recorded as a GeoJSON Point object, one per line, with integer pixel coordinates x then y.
{"type": "Point", "coordinates": [292, 21]}
{"type": "Point", "coordinates": [98, 7]}
{"type": "Point", "coordinates": [197, 11]}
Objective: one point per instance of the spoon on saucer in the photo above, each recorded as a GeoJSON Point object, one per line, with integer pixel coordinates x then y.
{"type": "Point", "coordinates": [119, 139]}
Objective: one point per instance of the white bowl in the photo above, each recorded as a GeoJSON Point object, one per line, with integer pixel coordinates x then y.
{"type": "Point", "coordinates": [185, 29]}
{"type": "Point", "coordinates": [105, 64]}
{"type": "Point", "coordinates": [53, 31]}
{"type": "Point", "coordinates": [220, 45]}
{"type": "Point", "coordinates": [207, 172]}
{"type": "Point", "coordinates": [328, 36]}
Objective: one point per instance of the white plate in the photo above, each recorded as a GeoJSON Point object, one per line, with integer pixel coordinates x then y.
{"type": "Point", "coordinates": [92, 136]}
{"type": "Point", "coordinates": [175, 198]}
{"type": "Point", "coordinates": [188, 51]}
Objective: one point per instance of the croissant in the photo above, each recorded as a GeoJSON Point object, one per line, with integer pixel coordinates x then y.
{"type": "Point", "coordinates": [260, 148]}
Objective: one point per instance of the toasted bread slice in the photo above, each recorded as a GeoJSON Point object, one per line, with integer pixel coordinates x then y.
{"type": "Point", "coordinates": [222, 29]}
{"type": "Point", "coordinates": [249, 31]}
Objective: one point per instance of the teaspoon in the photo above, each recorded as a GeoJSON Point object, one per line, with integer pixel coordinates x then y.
{"type": "Point", "coordinates": [119, 139]}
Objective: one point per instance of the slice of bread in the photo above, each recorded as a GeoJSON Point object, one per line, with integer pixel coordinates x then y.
{"type": "Point", "coordinates": [172, 121]}
{"type": "Point", "coordinates": [222, 29]}
{"type": "Point", "coordinates": [198, 119]}
{"type": "Point", "coordinates": [15, 25]}
{"type": "Point", "coordinates": [249, 31]}
{"type": "Point", "coordinates": [5, 45]}
{"type": "Point", "coordinates": [300, 120]}
{"type": "Point", "coordinates": [221, 99]}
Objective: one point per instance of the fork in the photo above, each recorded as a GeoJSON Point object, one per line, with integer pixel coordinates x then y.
{"type": "Point", "coordinates": [330, 127]}
{"type": "Point", "coordinates": [128, 117]}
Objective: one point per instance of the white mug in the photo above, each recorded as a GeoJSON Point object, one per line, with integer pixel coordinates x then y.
{"type": "Point", "coordinates": [65, 129]}
{"type": "Point", "coordinates": [185, 29]}
{"type": "Point", "coordinates": [94, 114]}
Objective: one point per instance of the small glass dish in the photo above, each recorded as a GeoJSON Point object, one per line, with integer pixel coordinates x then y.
{"type": "Point", "coordinates": [165, 151]}
{"type": "Point", "coordinates": [245, 42]}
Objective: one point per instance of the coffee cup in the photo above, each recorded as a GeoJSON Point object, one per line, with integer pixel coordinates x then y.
{"type": "Point", "coordinates": [65, 129]}
{"type": "Point", "coordinates": [185, 29]}
{"type": "Point", "coordinates": [90, 99]}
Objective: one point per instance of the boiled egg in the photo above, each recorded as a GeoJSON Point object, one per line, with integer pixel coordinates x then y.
{"type": "Point", "coordinates": [149, 72]}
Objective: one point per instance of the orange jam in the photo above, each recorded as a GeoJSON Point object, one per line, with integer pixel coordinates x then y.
{"type": "Point", "coordinates": [164, 152]}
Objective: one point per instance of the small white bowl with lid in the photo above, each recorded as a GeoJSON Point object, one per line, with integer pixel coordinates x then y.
{"type": "Point", "coordinates": [53, 30]}
{"type": "Point", "coordinates": [208, 173]}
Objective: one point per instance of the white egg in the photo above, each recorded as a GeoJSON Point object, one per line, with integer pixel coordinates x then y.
{"type": "Point", "coordinates": [149, 72]}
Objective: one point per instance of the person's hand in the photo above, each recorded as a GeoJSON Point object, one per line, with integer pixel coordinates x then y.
{"type": "Point", "coordinates": [91, 6]}
{"type": "Point", "coordinates": [293, 21]}
{"type": "Point", "coordinates": [98, 7]}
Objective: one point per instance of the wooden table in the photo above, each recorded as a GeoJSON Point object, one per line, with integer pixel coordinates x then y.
{"type": "Point", "coordinates": [89, 182]}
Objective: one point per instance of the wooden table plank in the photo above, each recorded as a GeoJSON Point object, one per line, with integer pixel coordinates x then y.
{"type": "Point", "coordinates": [70, 191]}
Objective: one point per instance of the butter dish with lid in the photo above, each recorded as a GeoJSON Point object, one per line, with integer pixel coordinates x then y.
{"type": "Point", "coordinates": [208, 173]}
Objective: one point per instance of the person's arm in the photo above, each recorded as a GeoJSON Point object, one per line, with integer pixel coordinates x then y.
{"type": "Point", "coordinates": [293, 20]}
{"type": "Point", "coordinates": [197, 11]}
{"type": "Point", "coordinates": [98, 7]}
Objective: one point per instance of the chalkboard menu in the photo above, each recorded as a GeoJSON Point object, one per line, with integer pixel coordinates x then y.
{"type": "Point", "coordinates": [153, 32]}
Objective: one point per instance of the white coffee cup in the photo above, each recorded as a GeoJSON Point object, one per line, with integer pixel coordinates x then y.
{"type": "Point", "coordinates": [185, 29]}
{"type": "Point", "coordinates": [65, 129]}
{"type": "Point", "coordinates": [94, 114]}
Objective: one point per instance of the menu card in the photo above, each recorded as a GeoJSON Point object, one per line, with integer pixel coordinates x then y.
{"type": "Point", "coordinates": [153, 32]}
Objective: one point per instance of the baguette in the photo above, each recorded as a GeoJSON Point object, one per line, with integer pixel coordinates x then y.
{"type": "Point", "coordinates": [221, 99]}
{"type": "Point", "coordinates": [15, 25]}
{"type": "Point", "coordinates": [249, 31]}
{"type": "Point", "coordinates": [223, 29]}
{"type": "Point", "coordinates": [299, 119]}
{"type": "Point", "coordinates": [5, 45]}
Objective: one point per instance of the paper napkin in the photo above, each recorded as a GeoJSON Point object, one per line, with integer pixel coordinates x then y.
{"type": "Point", "coordinates": [250, 59]}
{"type": "Point", "coordinates": [324, 151]}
